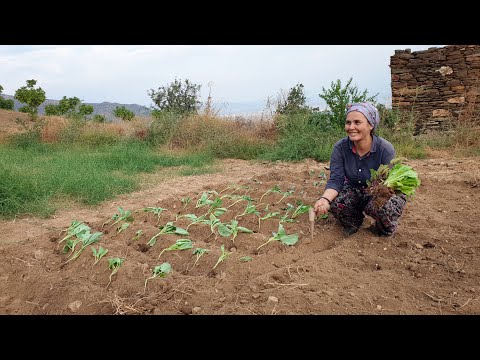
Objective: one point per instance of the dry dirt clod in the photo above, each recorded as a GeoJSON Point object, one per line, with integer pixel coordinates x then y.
{"type": "Point", "coordinates": [74, 306]}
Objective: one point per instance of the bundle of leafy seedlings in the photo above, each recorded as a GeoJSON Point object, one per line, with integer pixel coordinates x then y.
{"type": "Point", "coordinates": [391, 179]}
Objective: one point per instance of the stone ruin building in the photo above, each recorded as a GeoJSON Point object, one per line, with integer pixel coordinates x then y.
{"type": "Point", "coordinates": [441, 86]}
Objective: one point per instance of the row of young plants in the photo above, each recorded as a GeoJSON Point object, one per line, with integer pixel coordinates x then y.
{"type": "Point", "coordinates": [213, 202]}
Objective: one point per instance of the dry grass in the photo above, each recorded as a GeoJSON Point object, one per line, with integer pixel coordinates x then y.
{"type": "Point", "coordinates": [197, 131]}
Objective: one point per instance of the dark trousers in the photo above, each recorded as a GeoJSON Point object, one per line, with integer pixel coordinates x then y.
{"type": "Point", "coordinates": [352, 202]}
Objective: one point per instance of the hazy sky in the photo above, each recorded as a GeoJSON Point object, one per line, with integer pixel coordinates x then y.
{"type": "Point", "coordinates": [237, 73]}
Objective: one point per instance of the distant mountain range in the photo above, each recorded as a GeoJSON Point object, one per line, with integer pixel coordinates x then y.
{"type": "Point", "coordinates": [104, 108]}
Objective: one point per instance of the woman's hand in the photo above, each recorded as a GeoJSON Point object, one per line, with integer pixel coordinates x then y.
{"type": "Point", "coordinates": [321, 206]}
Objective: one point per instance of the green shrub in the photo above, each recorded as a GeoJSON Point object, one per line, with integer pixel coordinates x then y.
{"type": "Point", "coordinates": [177, 97]}
{"type": "Point", "coordinates": [163, 127]}
{"type": "Point", "coordinates": [123, 113]}
{"type": "Point", "coordinates": [338, 97]}
{"type": "Point", "coordinates": [30, 96]}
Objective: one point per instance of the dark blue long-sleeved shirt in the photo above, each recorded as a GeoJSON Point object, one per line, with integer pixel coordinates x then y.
{"type": "Point", "coordinates": [346, 164]}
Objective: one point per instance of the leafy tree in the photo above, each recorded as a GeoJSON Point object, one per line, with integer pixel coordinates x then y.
{"type": "Point", "coordinates": [177, 97]}
{"type": "Point", "coordinates": [51, 110]}
{"type": "Point", "coordinates": [123, 113]}
{"type": "Point", "coordinates": [99, 118]}
{"type": "Point", "coordinates": [30, 96]}
{"type": "Point", "coordinates": [294, 102]}
{"type": "Point", "coordinates": [338, 97]}
{"type": "Point", "coordinates": [6, 104]}
{"type": "Point", "coordinates": [85, 110]}
{"type": "Point", "coordinates": [69, 107]}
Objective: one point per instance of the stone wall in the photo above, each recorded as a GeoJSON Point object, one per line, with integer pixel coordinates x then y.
{"type": "Point", "coordinates": [441, 86]}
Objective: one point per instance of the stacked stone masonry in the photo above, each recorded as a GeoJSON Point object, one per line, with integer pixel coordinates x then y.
{"type": "Point", "coordinates": [441, 86]}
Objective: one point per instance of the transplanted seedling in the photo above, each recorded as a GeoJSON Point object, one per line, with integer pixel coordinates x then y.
{"type": "Point", "coordinates": [98, 254]}
{"type": "Point", "coordinates": [238, 198]}
{"type": "Point", "coordinates": [249, 209]}
{"type": "Point", "coordinates": [268, 216]}
{"type": "Point", "coordinates": [223, 256]}
{"type": "Point", "coordinates": [169, 228]}
{"type": "Point", "coordinates": [113, 265]}
{"type": "Point", "coordinates": [275, 189]}
{"type": "Point", "coordinates": [215, 207]}
{"type": "Point", "coordinates": [124, 226]}
{"type": "Point", "coordinates": [159, 271]}
{"type": "Point", "coordinates": [154, 210]}
{"type": "Point", "coordinates": [227, 230]}
{"type": "Point", "coordinates": [282, 236]}
{"type": "Point", "coordinates": [180, 244]}
{"type": "Point", "coordinates": [137, 235]}
{"type": "Point", "coordinates": [199, 252]}
{"type": "Point", "coordinates": [87, 239]}
{"type": "Point", "coordinates": [285, 194]}
{"type": "Point", "coordinates": [121, 216]}
{"type": "Point", "coordinates": [285, 217]}
{"type": "Point", "coordinates": [194, 219]}
{"type": "Point", "coordinates": [76, 228]}
{"type": "Point", "coordinates": [236, 187]}
{"type": "Point", "coordinates": [301, 209]}
{"type": "Point", "coordinates": [186, 201]}
{"type": "Point", "coordinates": [204, 199]}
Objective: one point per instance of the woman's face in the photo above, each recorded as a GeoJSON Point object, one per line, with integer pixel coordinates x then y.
{"type": "Point", "coordinates": [357, 126]}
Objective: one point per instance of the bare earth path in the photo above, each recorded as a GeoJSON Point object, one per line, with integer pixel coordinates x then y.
{"type": "Point", "coordinates": [429, 267]}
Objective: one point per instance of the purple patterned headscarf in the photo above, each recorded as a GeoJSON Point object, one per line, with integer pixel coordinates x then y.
{"type": "Point", "coordinates": [367, 109]}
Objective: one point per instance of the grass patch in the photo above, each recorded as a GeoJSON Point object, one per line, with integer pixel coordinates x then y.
{"type": "Point", "coordinates": [31, 178]}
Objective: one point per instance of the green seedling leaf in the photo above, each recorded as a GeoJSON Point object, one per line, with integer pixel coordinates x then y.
{"type": "Point", "coordinates": [69, 245]}
{"type": "Point", "coordinates": [76, 228]}
{"type": "Point", "coordinates": [98, 254]}
{"type": "Point", "coordinates": [122, 216]}
{"type": "Point", "coordinates": [250, 209]}
{"type": "Point", "coordinates": [223, 230]}
{"type": "Point", "coordinates": [154, 210]}
{"type": "Point", "coordinates": [87, 239]}
{"type": "Point", "coordinates": [285, 217]}
{"type": "Point", "coordinates": [223, 256]}
{"type": "Point", "coordinates": [180, 244]}
{"type": "Point", "coordinates": [215, 207]}
{"type": "Point", "coordinates": [245, 259]}
{"type": "Point", "coordinates": [282, 236]}
{"type": "Point", "coordinates": [213, 222]}
{"type": "Point", "coordinates": [123, 227]}
{"type": "Point", "coordinates": [233, 228]}
{"type": "Point", "coordinates": [194, 219]}
{"type": "Point", "coordinates": [137, 235]}
{"type": "Point", "coordinates": [169, 228]}
{"type": "Point", "coordinates": [159, 271]}
{"type": "Point", "coordinates": [185, 202]}
{"type": "Point", "coordinates": [199, 252]}
{"type": "Point", "coordinates": [301, 209]}
{"type": "Point", "coordinates": [113, 265]}
{"type": "Point", "coordinates": [204, 199]}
